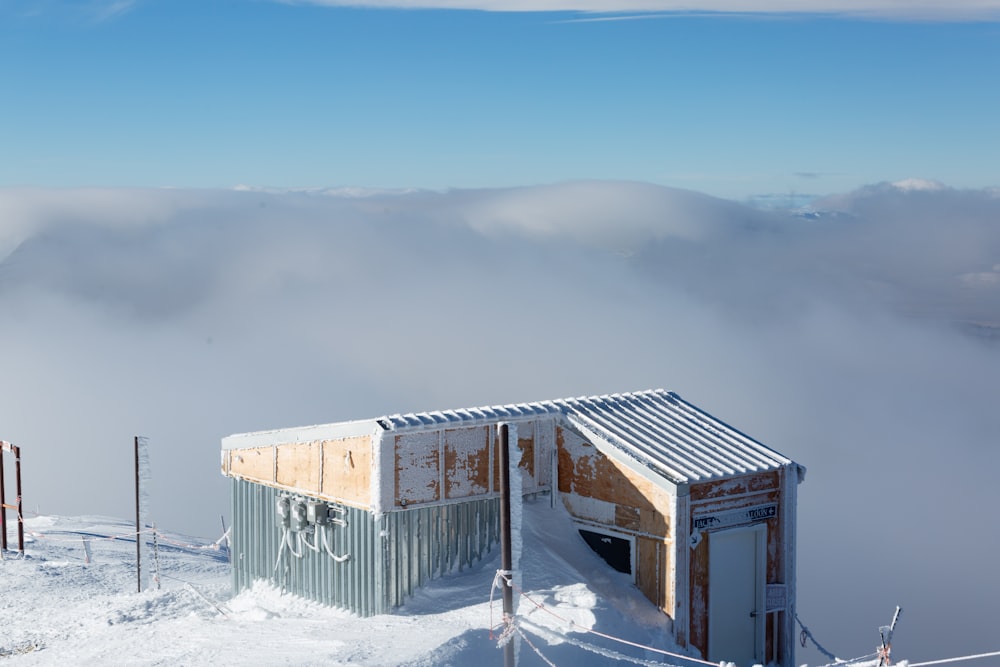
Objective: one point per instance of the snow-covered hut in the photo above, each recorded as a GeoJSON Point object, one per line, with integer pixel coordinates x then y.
{"type": "Point", "coordinates": [358, 514]}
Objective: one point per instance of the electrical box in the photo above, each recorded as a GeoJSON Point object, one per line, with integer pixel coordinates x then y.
{"type": "Point", "coordinates": [317, 513]}
{"type": "Point", "coordinates": [283, 509]}
{"type": "Point", "coordinates": [298, 518]}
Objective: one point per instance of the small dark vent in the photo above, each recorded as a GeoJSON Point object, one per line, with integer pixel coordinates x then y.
{"type": "Point", "coordinates": [615, 550]}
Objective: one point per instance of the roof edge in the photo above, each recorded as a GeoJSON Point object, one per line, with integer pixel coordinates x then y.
{"type": "Point", "coordinates": [282, 436]}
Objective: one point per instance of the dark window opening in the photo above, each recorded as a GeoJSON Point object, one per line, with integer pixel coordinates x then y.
{"type": "Point", "coordinates": [615, 550]}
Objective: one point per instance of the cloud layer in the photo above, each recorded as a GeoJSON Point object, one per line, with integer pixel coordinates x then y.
{"type": "Point", "coordinates": [859, 339]}
{"type": "Point", "coordinates": [884, 9]}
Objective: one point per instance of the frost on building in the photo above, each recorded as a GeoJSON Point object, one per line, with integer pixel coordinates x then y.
{"type": "Point", "coordinates": [358, 514]}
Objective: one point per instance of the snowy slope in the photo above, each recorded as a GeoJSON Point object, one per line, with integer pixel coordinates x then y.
{"type": "Point", "coordinates": [60, 610]}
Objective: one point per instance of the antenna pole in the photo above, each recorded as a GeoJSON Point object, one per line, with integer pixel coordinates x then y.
{"type": "Point", "coordinates": [138, 527]}
{"type": "Point", "coordinates": [506, 556]}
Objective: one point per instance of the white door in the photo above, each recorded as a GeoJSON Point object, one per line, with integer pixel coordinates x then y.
{"type": "Point", "coordinates": [736, 561]}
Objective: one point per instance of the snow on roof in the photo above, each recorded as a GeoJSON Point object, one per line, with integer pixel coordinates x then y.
{"type": "Point", "coordinates": [673, 437]}
{"type": "Point", "coordinates": [657, 429]}
{"type": "Point", "coordinates": [468, 416]}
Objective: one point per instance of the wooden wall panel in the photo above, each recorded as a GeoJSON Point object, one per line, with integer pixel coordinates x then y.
{"type": "Point", "coordinates": [735, 486]}
{"type": "Point", "coordinates": [347, 467]}
{"type": "Point", "coordinates": [466, 462]}
{"type": "Point", "coordinates": [526, 443]}
{"type": "Point", "coordinates": [298, 466]}
{"type": "Point", "coordinates": [418, 468]}
{"type": "Point", "coordinates": [256, 463]}
{"type": "Point", "coordinates": [653, 572]}
{"type": "Point", "coordinates": [725, 495]}
{"type": "Point", "coordinates": [698, 596]}
{"type": "Point", "coordinates": [583, 470]}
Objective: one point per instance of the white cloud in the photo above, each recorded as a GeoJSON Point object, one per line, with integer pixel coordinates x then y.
{"type": "Point", "coordinates": [887, 9]}
{"type": "Point", "coordinates": [188, 315]}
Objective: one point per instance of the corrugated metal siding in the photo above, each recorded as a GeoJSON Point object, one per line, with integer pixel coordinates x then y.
{"type": "Point", "coordinates": [389, 557]}
{"type": "Point", "coordinates": [427, 542]}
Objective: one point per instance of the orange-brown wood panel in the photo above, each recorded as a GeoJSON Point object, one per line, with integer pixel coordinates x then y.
{"type": "Point", "coordinates": [585, 471]}
{"type": "Point", "coordinates": [627, 517]}
{"type": "Point", "coordinates": [256, 463]}
{"type": "Point", "coordinates": [347, 466]}
{"type": "Point", "coordinates": [527, 461]}
{"type": "Point", "coordinates": [496, 460]}
{"type": "Point", "coordinates": [647, 572]}
{"type": "Point", "coordinates": [466, 462]}
{"type": "Point", "coordinates": [774, 552]}
{"type": "Point", "coordinates": [418, 468]}
{"type": "Point", "coordinates": [735, 486]}
{"type": "Point", "coordinates": [728, 503]}
{"type": "Point", "coordinates": [652, 568]}
{"type": "Point", "coordinates": [298, 466]}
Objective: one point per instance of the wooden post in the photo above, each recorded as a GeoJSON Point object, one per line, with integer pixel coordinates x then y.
{"type": "Point", "coordinates": [138, 527]}
{"type": "Point", "coordinates": [506, 557]}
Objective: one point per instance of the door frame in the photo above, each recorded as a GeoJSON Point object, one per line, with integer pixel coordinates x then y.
{"type": "Point", "coordinates": [760, 585]}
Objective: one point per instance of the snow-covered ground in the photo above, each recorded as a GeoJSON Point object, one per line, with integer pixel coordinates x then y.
{"type": "Point", "coordinates": [58, 609]}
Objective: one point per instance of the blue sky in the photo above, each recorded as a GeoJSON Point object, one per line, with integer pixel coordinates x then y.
{"type": "Point", "coordinates": [215, 94]}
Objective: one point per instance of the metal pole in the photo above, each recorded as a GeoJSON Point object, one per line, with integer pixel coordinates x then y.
{"type": "Point", "coordinates": [138, 528]}
{"type": "Point", "coordinates": [3, 503]}
{"type": "Point", "coordinates": [506, 557]}
{"type": "Point", "coordinates": [20, 512]}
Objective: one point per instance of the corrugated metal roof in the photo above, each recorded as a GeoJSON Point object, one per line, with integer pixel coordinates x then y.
{"type": "Point", "coordinates": [673, 437]}
{"type": "Point", "coordinates": [657, 429]}
{"type": "Point", "coordinates": [468, 416]}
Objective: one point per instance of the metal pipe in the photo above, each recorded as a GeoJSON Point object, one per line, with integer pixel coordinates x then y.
{"type": "Point", "coordinates": [20, 512]}
{"type": "Point", "coordinates": [506, 557]}
{"type": "Point", "coordinates": [3, 505]}
{"type": "Point", "coordinates": [138, 528]}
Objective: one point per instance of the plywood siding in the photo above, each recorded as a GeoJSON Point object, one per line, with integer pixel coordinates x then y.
{"type": "Point", "coordinates": [467, 462]}
{"type": "Point", "coordinates": [534, 442]}
{"type": "Point", "coordinates": [418, 468]}
{"type": "Point", "coordinates": [721, 496]}
{"type": "Point", "coordinates": [599, 490]}
{"type": "Point", "coordinates": [298, 466]}
{"type": "Point", "coordinates": [640, 505]}
{"type": "Point", "coordinates": [256, 463]}
{"type": "Point", "coordinates": [735, 486]}
{"type": "Point", "coordinates": [526, 443]}
{"type": "Point", "coordinates": [337, 470]}
{"type": "Point", "coordinates": [653, 572]}
{"type": "Point", "coordinates": [347, 469]}
{"type": "Point", "coordinates": [698, 595]}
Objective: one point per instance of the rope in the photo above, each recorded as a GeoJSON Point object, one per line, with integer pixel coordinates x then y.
{"type": "Point", "coordinates": [842, 663]}
{"type": "Point", "coordinates": [501, 576]}
{"type": "Point", "coordinates": [965, 657]}
{"type": "Point", "coordinates": [535, 648]}
{"type": "Point", "coordinates": [597, 650]}
{"type": "Point", "coordinates": [806, 633]}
